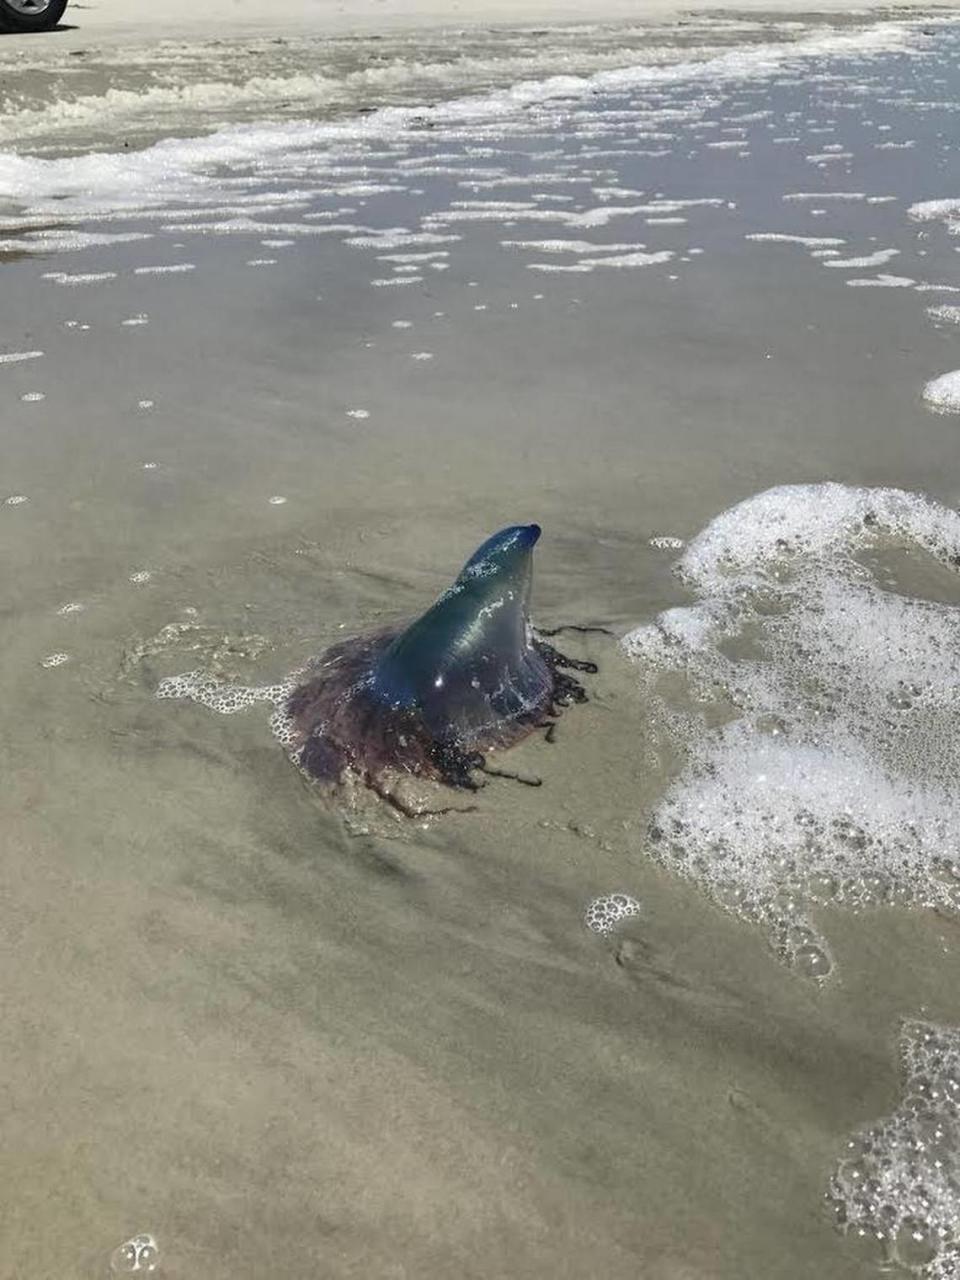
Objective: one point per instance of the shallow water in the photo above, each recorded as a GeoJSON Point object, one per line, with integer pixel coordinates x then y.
{"type": "Point", "coordinates": [82, 92]}
{"type": "Point", "coordinates": [286, 1035]}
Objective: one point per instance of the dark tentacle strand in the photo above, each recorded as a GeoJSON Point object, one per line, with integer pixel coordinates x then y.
{"type": "Point", "coordinates": [408, 810]}
{"type": "Point", "coordinates": [572, 626]}
{"type": "Point", "coordinates": [456, 767]}
{"type": "Point", "coordinates": [566, 688]}
{"type": "Point", "coordinates": [557, 659]}
{"type": "Point", "coordinates": [512, 777]}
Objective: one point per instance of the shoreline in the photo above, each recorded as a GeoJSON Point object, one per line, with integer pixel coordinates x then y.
{"type": "Point", "coordinates": [132, 86]}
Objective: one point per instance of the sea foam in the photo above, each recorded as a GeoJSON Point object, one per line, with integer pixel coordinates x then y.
{"type": "Point", "coordinates": [190, 170]}
{"type": "Point", "coordinates": [814, 704]}
{"type": "Point", "coordinates": [899, 1179]}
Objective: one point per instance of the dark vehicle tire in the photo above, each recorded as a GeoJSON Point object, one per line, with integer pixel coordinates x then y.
{"type": "Point", "coordinates": [30, 15]}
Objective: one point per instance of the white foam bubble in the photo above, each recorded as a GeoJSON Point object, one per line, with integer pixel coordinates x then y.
{"type": "Point", "coordinates": [629, 259]}
{"type": "Point", "coordinates": [665, 205]}
{"type": "Point", "coordinates": [832, 774]}
{"type": "Point", "coordinates": [406, 259]}
{"type": "Point", "coordinates": [399, 239]}
{"type": "Point", "coordinates": [16, 357]}
{"type": "Point", "coordinates": [67, 240]}
{"type": "Point", "coordinates": [935, 210]}
{"type": "Point", "coordinates": [140, 1253]}
{"type": "Point", "coordinates": [613, 193]}
{"type": "Point", "coordinates": [55, 660]}
{"type": "Point", "coordinates": [943, 393]}
{"type": "Point", "coordinates": [823, 157]}
{"type": "Point", "coordinates": [559, 268]}
{"type": "Point", "coordinates": [809, 242]}
{"type": "Point", "coordinates": [602, 215]}
{"type": "Point", "coordinates": [898, 1181]}
{"type": "Point", "coordinates": [950, 314]}
{"type": "Point", "coordinates": [78, 278]}
{"type": "Point", "coordinates": [604, 914]}
{"type": "Point", "coordinates": [802, 196]}
{"type": "Point", "coordinates": [228, 699]}
{"type": "Point", "coordinates": [867, 260]}
{"type": "Point", "coordinates": [170, 269]}
{"type": "Point", "coordinates": [881, 281]}
{"type": "Point", "coordinates": [571, 246]}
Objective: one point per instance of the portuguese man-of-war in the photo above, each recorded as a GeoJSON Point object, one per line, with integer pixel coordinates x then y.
{"type": "Point", "coordinates": [469, 676]}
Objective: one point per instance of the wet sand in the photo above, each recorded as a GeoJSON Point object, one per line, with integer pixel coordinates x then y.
{"type": "Point", "coordinates": [290, 1038]}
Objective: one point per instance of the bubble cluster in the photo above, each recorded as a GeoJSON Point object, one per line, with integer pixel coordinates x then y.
{"type": "Point", "coordinates": [139, 1253]}
{"type": "Point", "coordinates": [16, 500]}
{"type": "Point", "coordinates": [663, 542]}
{"type": "Point", "coordinates": [604, 914]}
{"type": "Point", "coordinates": [943, 393]}
{"type": "Point", "coordinates": [140, 576]}
{"type": "Point", "coordinates": [899, 1181]}
{"type": "Point", "coordinates": [815, 709]}
{"type": "Point", "coordinates": [55, 660]}
{"type": "Point", "coordinates": [948, 313]}
{"type": "Point", "coordinates": [217, 695]}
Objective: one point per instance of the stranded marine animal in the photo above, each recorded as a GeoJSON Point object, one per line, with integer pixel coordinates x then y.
{"type": "Point", "coordinates": [467, 677]}
{"type": "Point", "coordinates": [426, 703]}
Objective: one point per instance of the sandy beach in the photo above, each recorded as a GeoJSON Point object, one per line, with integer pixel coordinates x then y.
{"type": "Point", "coordinates": [285, 332]}
{"type": "Point", "coordinates": [112, 18]}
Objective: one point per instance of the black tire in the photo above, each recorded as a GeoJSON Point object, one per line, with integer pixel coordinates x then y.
{"type": "Point", "coordinates": [30, 15]}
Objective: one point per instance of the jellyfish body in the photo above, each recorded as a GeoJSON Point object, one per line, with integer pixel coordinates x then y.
{"type": "Point", "coordinates": [466, 677]}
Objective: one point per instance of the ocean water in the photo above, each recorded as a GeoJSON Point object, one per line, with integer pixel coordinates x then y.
{"type": "Point", "coordinates": [687, 297]}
